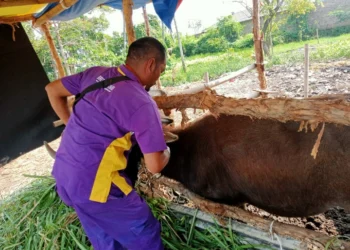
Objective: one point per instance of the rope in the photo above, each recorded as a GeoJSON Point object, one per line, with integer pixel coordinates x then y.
{"type": "Point", "coordinates": [275, 235]}
{"type": "Point", "coordinates": [63, 5]}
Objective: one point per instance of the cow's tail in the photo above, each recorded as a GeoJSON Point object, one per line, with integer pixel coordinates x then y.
{"type": "Point", "coordinates": [50, 150]}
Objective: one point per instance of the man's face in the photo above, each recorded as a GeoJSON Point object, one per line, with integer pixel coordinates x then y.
{"type": "Point", "coordinates": [153, 70]}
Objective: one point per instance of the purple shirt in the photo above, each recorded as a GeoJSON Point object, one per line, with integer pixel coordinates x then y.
{"type": "Point", "coordinates": [96, 140]}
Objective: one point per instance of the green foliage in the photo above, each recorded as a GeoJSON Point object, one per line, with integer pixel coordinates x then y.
{"type": "Point", "coordinates": [341, 15]}
{"type": "Point", "coordinates": [215, 65]}
{"type": "Point", "coordinates": [84, 44]}
{"type": "Point", "coordinates": [189, 46]}
{"type": "Point", "coordinates": [245, 41]}
{"type": "Point", "coordinates": [37, 219]}
{"type": "Point", "coordinates": [334, 48]}
{"type": "Point", "coordinates": [296, 28]}
{"type": "Point", "coordinates": [228, 28]}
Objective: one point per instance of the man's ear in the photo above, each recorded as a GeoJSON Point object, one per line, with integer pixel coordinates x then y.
{"type": "Point", "coordinates": [151, 64]}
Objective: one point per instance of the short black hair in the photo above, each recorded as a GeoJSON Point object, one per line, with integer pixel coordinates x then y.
{"type": "Point", "coordinates": [146, 47]}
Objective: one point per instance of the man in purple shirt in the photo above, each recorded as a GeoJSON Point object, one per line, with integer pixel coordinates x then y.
{"type": "Point", "coordinates": [91, 159]}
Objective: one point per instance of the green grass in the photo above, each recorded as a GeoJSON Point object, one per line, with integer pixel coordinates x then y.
{"type": "Point", "coordinates": [324, 49]}
{"type": "Point", "coordinates": [35, 218]}
{"type": "Point", "coordinates": [214, 65]}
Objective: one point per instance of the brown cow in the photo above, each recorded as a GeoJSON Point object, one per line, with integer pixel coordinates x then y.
{"type": "Point", "coordinates": [234, 159]}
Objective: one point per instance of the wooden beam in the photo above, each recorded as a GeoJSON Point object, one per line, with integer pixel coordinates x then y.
{"type": "Point", "coordinates": [215, 82]}
{"type": "Point", "coordinates": [11, 3]}
{"type": "Point", "coordinates": [53, 50]}
{"type": "Point", "coordinates": [127, 13]}
{"type": "Point", "coordinates": [306, 236]}
{"type": "Point", "coordinates": [258, 44]}
{"type": "Point", "coordinates": [332, 109]}
{"type": "Point", "coordinates": [16, 19]}
{"type": "Point", "coordinates": [53, 12]}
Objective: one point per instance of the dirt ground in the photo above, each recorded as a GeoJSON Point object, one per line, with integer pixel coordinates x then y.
{"type": "Point", "coordinates": [332, 77]}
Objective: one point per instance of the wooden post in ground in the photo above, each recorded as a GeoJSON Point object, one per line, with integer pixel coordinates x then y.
{"type": "Point", "coordinates": [258, 45]}
{"type": "Point", "coordinates": [180, 46]}
{"type": "Point", "coordinates": [127, 13]}
{"type": "Point", "coordinates": [53, 50]}
{"type": "Point", "coordinates": [306, 71]}
{"type": "Point", "coordinates": [148, 31]}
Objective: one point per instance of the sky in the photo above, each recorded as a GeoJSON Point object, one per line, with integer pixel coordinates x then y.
{"type": "Point", "coordinates": [207, 11]}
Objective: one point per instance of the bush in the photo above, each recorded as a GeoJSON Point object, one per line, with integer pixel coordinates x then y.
{"type": "Point", "coordinates": [212, 45]}
{"type": "Point", "coordinates": [245, 41]}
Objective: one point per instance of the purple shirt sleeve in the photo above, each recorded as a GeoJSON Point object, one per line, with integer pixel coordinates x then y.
{"type": "Point", "coordinates": [146, 125]}
{"type": "Point", "coordinates": [73, 82]}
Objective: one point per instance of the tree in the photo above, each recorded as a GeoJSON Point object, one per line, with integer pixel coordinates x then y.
{"type": "Point", "coordinates": [229, 28]}
{"type": "Point", "coordinates": [81, 43]}
{"type": "Point", "coordinates": [270, 10]}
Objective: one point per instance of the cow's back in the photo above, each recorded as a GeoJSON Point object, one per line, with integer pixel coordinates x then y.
{"type": "Point", "coordinates": [264, 162]}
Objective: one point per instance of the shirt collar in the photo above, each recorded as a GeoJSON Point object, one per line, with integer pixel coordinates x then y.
{"type": "Point", "coordinates": [129, 72]}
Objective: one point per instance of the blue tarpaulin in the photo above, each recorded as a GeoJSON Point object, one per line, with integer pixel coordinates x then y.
{"type": "Point", "coordinates": [165, 9]}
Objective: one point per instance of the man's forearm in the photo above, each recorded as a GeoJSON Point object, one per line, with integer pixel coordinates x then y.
{"type": "Point", "coordinates": [57, 95]}
{"type": "Point", "coordinates": [60, 106]}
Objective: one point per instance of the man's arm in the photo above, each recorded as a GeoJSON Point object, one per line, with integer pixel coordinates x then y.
{"type": "Point", "coordinates": [58, 94]}
{"type": "Point", "coordinates": [145, 122]}
{"type": "Point", "coordinates": [155, 162]}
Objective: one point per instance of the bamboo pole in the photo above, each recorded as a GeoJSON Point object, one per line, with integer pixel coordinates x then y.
{"type": "Point", "coordinates": [11, 3]}
{"type": "Point", "coordinates": [127, 13]}
{"type": "Point", "coordinates": [215, 82]}
{"type": "Point", "coordinates": [258, 45]}
{"type": "Point", "coordinates": [306, 236]}
{"type": "Point", "coordinates": [66, 4]}
{"type": "Point", "coordinates": [53, 50]}
{"type": "Point", "coordinates": [332, 109]}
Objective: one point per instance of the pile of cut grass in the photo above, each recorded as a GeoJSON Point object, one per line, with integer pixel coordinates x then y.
{"type": "Point", "coordinates": [36, 218]}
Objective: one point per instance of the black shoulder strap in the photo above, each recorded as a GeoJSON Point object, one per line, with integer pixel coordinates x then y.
{"type": "Point", "coordinates": [99, 85]}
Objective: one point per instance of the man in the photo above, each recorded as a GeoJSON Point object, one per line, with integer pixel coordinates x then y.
{"type": "Point", "coordinates": [93, 152]}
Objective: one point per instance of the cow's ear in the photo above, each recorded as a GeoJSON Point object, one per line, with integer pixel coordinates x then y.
{"type": "Point", "coordinates": [170, 137]}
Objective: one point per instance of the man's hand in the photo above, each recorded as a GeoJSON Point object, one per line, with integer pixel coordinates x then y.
{"type": "Point", "coordinates": [155, 162]}
{"type": "Point", "coordinates": [57, 94]}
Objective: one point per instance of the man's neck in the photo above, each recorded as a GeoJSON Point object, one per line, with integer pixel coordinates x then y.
{"type": "Point", "coordinates": [130, 68]}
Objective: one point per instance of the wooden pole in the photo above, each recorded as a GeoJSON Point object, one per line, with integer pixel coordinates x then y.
{"type": "Point", "coordinates": [61, 6]}
{"type": "Point", "coordinates": [53, 50]}
{"type": "Point", "coordinates": [214, 83]}
{"type": "Point", "coordinates": [258, 45]}
{"type": "Point", "coordinates": [148, 31]}
{"type": "Point", "coordinates": [127, 13]}
{"type": "Point", "coordinates": [60, 45]}
{"type": "Point", "coordinates": [180, 46]}
{"type": "Point", "coordinates": [306, 71]}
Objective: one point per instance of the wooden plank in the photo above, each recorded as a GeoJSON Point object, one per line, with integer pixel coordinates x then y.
{"type": "Point", "coordinates": [309, 238]}
{"type": "Point", "coordinates": [332, 109]}
{"type": "Point", "coordinates": [11, 3]}
{"type": "Point", "coordinates": [53, 12]}
{"type": "Point", "coordinates": [251, 234]}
